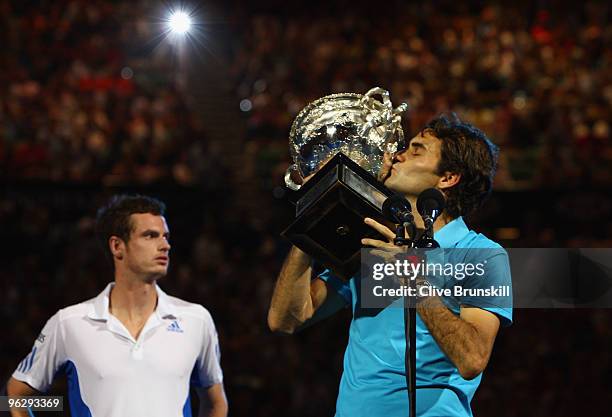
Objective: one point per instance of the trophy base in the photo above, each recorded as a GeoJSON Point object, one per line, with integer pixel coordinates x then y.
{"type": "Point", "coordinates": [330, 212]}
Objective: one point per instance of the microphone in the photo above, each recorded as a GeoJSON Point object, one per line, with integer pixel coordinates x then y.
{"type": "Point", "coordinates": [430, 204]}
{"type": "Point", "coordinates": [397, 209]}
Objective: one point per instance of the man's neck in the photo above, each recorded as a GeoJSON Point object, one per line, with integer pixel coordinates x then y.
{"type": "Point", "coordinates": [441, 221]}
{"type": "Point", "coordinates": [132, 300]}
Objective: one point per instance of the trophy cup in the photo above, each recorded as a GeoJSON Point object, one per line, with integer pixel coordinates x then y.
{"type": "Point", "coordinates": [340, 140]}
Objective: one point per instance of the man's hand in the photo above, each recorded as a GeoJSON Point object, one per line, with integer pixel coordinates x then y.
{"type": "Point", "coordinates": [383, 230]}
{"type": "Point", "coordinates": [386, 250]}
{"type": "Point", "coordinates": [386, 167]}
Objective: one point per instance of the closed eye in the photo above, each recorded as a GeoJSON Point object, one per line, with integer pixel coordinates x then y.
{"type": "Point", "coordinates": [416, 147]}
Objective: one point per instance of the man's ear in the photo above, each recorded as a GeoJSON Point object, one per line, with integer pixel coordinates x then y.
{"type": "Point", "coordinates": [117, 247]}
{"type": "Point", "coordinates": [448, 180]}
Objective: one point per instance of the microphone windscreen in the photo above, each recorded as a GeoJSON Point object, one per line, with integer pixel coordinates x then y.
{"type": "Point", "coordinates": [394, 204]}
{"type": "Point", "coordinates": [429, 200]}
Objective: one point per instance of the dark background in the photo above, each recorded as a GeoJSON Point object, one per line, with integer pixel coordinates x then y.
{"type": "Point", "coordinates": [95, 101]}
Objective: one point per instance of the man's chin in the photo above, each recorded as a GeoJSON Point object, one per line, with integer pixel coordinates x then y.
{"type": "Point", "coordinates": [390, 184]}
{"type": "Point", "coordinates": [162, 274]}
{"type": "Point", "coordinates": [158, 274]}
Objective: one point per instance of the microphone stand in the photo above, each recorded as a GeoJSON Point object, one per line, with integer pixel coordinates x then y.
{"type": "Point", "coordinates": [426, 240]}
{"type": "Point", "coordinates": [409, 321]}
{"type": "Point", "coordinates": [410, 318]}
{"type": "Point", "coordinates": [429, 204]}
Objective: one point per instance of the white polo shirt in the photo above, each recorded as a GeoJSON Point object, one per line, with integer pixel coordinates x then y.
{"type": "Point", "coordinates": [112, 375]}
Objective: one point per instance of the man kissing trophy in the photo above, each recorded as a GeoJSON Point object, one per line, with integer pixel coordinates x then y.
{"type": "Point", "coordinates": [338, 143]}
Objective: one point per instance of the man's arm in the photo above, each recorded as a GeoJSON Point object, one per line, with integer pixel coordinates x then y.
{"type": "Point", "coordinates": [41, 364]}
{"type": "Point", "coordinates": [297, 297]}
{"type": "Point", "coordinates": [16, 388]}
{"type": "Point", "coordinates": [466, 339]}
{"type": "Point", "coordinates": [213, 402]}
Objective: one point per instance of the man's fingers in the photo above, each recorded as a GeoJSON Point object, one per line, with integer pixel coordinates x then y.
{"type": "Point", "coordinates": [386, 167]}
{"type": "Point", "coordinates": [382, 174]}
{"type": "Point", "coordinates": [387, 158]}
{"type": "Point", "coordinates": [375, 243]}
{"type": "Point", "coordinates": [380, 228]}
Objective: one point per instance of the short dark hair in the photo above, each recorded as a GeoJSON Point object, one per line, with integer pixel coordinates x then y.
{"type": "Point", "coordinates": [113, 219]}
{"type": "Point", "coordinates": [467, 151]}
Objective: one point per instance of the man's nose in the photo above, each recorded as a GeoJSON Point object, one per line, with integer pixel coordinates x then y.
{"type": "Point", "coordinates": [166, 246]}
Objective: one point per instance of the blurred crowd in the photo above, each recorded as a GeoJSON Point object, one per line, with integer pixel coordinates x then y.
{"type": "Point", "coordinates": [88, 90]}
{"type": "Point", "coordinates": [88, 94]}
{"type": "Point", "coordinates": [89, 99]}
{"type": "Point", "coordinates": [536, 80]}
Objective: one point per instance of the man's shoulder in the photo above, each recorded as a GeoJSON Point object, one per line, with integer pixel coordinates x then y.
{"type": "Point", "coordinates": [477, 247]}
{"type": "Point", "coordinates": [69, 316]}
{"type": "Point", "coordinates": [75, 311]}
{"type": "Point", "coordinates": [477, 240]}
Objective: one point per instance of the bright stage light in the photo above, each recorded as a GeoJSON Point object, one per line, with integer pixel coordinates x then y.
{"type": "Point", "coordinates": [179, 22]}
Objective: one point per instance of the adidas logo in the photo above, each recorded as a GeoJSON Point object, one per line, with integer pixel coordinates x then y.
{"type": "Point", "coordinates": [174, 327]}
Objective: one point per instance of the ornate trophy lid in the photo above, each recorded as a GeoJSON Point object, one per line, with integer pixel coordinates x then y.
{"type": "Point", "coordinates": [360, 126]}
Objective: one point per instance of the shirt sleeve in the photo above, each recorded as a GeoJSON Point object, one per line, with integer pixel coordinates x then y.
{"type": "Point", "coordinates": [342, 287]}
{"type": "Point", "coordinates": [39, 367]}
{"type": "Point", "coordinates": [207, 370]}
{"type": "Point", "coordinates": [495, 278]}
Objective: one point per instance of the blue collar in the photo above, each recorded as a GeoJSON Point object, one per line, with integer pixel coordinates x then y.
{"type": "Point", "coordinates": [452, 233]}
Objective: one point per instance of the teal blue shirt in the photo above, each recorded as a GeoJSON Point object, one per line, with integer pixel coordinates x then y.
{"type": "Point", "coordinates": [373, 382]}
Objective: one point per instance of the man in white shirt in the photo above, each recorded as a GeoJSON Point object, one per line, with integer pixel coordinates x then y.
{"type": "Point", "coordinates": [132, 350]}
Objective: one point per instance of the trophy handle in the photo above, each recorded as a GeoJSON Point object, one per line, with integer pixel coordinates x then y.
{"type": "Point", "coordinates": [386, 99]}
{"type": "Point", "coordinates": [291, 172]}
{"type": "Point", "coordinates": [388, 116]}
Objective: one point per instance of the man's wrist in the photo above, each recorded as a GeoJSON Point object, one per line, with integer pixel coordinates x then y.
{"type": "Point", "coordinates": [425, 294]}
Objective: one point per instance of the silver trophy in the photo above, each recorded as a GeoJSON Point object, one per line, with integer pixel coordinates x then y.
{"type": "Point", "coordinates": [360, 126]}
{"type": "Point", "coordinates": [338, 142]}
